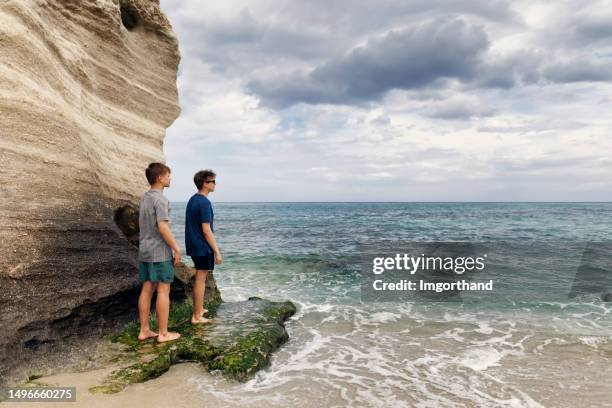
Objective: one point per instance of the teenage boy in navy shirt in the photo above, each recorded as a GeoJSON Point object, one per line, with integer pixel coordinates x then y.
{"type": "Point", "coordinates": [200, 240]}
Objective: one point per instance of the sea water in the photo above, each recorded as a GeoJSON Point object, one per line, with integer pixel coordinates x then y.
{"type": "Point", "coordinates": [347, 352]}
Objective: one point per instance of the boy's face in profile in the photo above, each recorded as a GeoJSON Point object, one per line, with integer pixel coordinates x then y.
{"type": "Point", "coordinates": [211, 186]}
{"type": "Point", "coordinates": [165, 179]}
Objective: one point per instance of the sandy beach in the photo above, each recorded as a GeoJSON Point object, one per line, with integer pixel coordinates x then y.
{"type": "Point", "coordinates": [155, 392]}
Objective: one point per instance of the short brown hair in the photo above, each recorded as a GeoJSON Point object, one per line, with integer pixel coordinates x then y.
{"type": "Point", "coordinates": [155, 170]}
{"type": "Point", "coordinates": [201, 176]}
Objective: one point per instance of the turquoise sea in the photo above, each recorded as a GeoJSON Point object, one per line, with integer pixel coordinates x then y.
{"type": "Point", "coordinates": [544, 349]}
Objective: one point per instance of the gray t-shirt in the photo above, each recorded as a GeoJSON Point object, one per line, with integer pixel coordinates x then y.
{"type": "Point", "coordinates": [154, 207]}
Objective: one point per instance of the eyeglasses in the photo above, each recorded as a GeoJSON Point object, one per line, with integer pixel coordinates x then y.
{"type": "Point", "coordinates": [212, 181]}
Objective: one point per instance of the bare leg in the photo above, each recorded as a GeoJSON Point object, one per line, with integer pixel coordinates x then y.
{"type": "Point", "coordinates": [162, 308]}
{"type": "Point", "coordinates": [144, 307]}
{"type": "Point", "coordinates": [199, 287]}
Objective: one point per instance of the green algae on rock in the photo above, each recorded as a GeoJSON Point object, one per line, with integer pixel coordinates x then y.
{"type": "Point", "coordinates": [238, 342]}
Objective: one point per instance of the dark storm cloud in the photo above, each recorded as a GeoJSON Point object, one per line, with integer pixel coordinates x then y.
{"type": "Point", "coordinates": [421, 58]}
{"type": "Point", "coordinates": [407, 58]}
{"type": "Point", "coordinates": [269, 34]}
{"type": "Point", "coordinates": [286, 53]}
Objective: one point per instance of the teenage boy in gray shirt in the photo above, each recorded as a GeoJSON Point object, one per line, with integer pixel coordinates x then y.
{"type": "Point", "coordinates": [156, 250]}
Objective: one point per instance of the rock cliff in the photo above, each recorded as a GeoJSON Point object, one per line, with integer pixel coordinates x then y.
{"type": "Point", "coordinates": [87, 90]}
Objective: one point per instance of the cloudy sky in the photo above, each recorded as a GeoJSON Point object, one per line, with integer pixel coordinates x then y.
{"type": "Point", "coordinates": [355, 100]}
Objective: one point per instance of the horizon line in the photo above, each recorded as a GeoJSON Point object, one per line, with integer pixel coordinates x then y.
{"type": "Point", "coordinates": [408, 202]}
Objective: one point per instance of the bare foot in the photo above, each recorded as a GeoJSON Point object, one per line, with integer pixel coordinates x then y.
{"type": "Point", "coordinates": [204, 311]}
{"type": "Point", "coordinates": [168, 337]}
{"type": "Point", "coordinates": [200, 320]}
{"type": "Point", "coordinates": [142, 336]}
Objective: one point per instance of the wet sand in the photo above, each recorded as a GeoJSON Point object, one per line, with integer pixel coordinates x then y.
{"type": "Point", "coordinates": [560, 377]}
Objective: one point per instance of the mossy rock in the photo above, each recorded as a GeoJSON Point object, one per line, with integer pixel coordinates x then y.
{"type": "Point", "coordinates": [238, 342]}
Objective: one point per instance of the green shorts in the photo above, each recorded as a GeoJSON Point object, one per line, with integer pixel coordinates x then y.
{"type": "Point", "coordinates": [156, 271]}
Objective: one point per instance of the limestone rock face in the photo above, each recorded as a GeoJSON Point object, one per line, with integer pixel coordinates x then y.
{"type": "Point", "coordinates": [87, 90]}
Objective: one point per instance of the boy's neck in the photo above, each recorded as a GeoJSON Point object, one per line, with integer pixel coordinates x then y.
{"type": "Point", "coordinates": [204, 192]}
{"type": "Point", "coordinates": [157, 186]}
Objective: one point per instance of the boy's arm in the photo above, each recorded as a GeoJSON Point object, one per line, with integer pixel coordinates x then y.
{"type": "Point", "coordinates": [210, 238]}
{"type": "Point", "coordinates": [162, 216]}
{"type": "Point", "coordinates": [166, 233]}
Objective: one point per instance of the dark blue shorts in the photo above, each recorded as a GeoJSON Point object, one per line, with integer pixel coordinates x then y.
{"type": "Point", "coordinates": [204, 263]}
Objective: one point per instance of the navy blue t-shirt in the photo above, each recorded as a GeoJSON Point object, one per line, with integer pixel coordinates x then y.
{"type": "Point", "coordinates": [199, 210]}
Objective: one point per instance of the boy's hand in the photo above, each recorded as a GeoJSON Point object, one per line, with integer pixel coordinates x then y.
{"type": "Point", "coordinates": [177, 258]}
{"type": "Point", "coordinates": [218, 258]}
